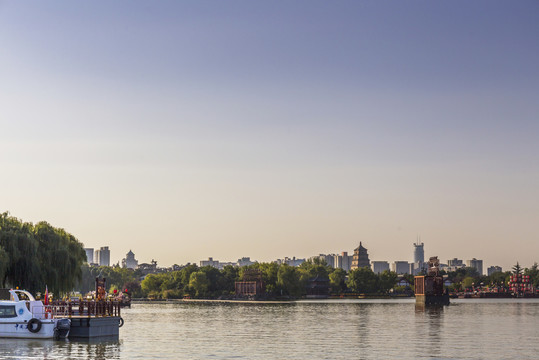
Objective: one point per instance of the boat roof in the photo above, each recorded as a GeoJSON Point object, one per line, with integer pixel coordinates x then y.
{"type": "Point", "coordinates": [13, 295]}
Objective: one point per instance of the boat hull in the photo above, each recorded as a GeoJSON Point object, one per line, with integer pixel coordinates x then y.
{"type": "Point", "coordinates": [20, 330]}
{"type": "Point", "coordinates": [48, 330]}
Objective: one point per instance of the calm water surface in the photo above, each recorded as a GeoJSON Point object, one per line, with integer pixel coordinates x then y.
{"type": "Point", "coordinates": [362, 329]}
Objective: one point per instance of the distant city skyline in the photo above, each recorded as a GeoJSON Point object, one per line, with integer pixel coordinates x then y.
{"type": "Point", "coordinates": [392, 264]}
{"type": "Point", "coordinates": [183, 130]}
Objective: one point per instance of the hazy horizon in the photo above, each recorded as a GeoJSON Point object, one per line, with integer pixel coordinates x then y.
{"type": "Point", "coordinates": [188, 130]}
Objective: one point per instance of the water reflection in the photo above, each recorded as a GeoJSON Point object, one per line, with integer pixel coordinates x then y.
{"type": "Point", "coordinates": [430, 318]}
{"type": "Point", "coordinates": [361, 319]}
{"type": "Point", "coordinates": [106, 347]}
{"type": "Point", "coordinates": [101, 349]}
{"type": "Point", "coordinates": [306, 331]}
{"type": "Point", "coordinates": [25, 348]}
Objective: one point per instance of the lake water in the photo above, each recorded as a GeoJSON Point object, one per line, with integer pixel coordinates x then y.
{"type": "Point", "coordinates": [334, 329]}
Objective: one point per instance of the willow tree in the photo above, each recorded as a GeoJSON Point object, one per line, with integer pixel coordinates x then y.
{"type": "Point", "coordinates": [60, 257]}
{"type": "Point", "coordinates": [18, 242]}
{"type": "Point", "coordinates": [32, 257]}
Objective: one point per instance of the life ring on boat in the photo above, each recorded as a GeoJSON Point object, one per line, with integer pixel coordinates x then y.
{"type": "Point", "coordinates": [34, 325]}
{"type": "Point", "coordinates": [120, 322]}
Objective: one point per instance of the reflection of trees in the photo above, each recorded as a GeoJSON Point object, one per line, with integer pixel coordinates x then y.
{"type": "Point", "coordinates": [101, 349]}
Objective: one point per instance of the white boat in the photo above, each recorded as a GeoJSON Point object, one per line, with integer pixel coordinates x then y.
{"type": "Point", "coordinates": [22, 316]}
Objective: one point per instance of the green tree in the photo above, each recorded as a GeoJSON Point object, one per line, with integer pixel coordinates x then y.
{"type": "Point", "coordinates": [387, 281]}
{"type": "Point", "coordinates": [151, 285]}
{"type": "Point", "coordinates": [467, 282]}
{"type": "Point", "coordinates": [313, 268]}
{"type": "Point", "coordinates": [230, 274]}
{"type": "Point", "coordinates": [185, 274]}
{"type": "Point", "coordinates": [337, 280]}
{"type": "Point", "coordinates": [363, 280]}
{"type": "Point", "coordinates": [199, 283]}
{"type": "Point", "coordinates": [533, 273]}
{"type": "Point", "coordinates": [39, 256]}
{"type": "Point", "coordinates": [288, 281]}
{"type": "Point", "coordinates": [133, 288]}
{"type": "Point", "coordinates": [498, 278]}
{"type": "Point", "coordinates": [517, 269]}
{"type": "Point", "coordinates": [269, 276]}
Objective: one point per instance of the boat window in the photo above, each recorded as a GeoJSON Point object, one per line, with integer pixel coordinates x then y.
{"type": "Point", "coordinates": [22, 296]}
{"type": "Point", "coordinates": [7, 311]}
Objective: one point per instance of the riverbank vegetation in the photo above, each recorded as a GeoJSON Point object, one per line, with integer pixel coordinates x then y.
{"type": "Point", "coordinates": [280, 281]}
{"type": "Point", "coordinates": [35, 256]}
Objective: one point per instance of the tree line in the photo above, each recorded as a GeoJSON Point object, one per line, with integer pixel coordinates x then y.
{"type": "Point", "coordinates": [280, 281]}
{"type": "Point", "coordinates": [467, 277]}
{"type": "Point", "coordinates": [35, 256]}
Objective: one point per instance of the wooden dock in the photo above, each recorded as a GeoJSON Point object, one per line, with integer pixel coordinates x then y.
{"type": "Point", "coordinates": [89, 318]}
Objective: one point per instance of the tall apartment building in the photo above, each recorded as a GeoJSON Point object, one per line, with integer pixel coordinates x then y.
{"type": "Point", "coordinates": [210, 262]}
{"type": "Point", "coordinates": [476, 264]}
{"type": "Point", "coordinates": [419, 252]}
{"type": "Point", "coordinates": [454, 264]}
{"type": "Point", "coordinates": [245, 261]}
{"type": "Point", "coordinates": [293, 261]}
{"type": "Point", "coordinates": [329, 259]}
{"type": "Point", "coordinates": [343, 261]}
{"type": "Point", "coordinates": [89, 255]}
{"type": "Point", "coordinates": [379, 267]}
{"type": "Point", "coordinates": [102, 256]}
{"type": "Point", "coordinates": [401, 267]}
{"type": "Point", "coordinates": [493, 269]}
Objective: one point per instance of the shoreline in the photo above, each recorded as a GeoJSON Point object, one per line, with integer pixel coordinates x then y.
{"type": "Point", "coordinates": [294, 301]}
{"type": "Point", "coordinates": [276, 301]}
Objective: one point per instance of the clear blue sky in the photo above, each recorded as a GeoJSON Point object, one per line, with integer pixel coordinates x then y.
{"type": "Point", "coordinates": [183, 130]}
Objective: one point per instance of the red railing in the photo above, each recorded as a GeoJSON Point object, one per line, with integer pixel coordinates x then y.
{"type": "Point", "coordinates": [84, 308]}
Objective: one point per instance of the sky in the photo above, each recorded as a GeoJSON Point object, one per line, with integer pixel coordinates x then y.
{"type": "Point", "coordinates": [183, 130]}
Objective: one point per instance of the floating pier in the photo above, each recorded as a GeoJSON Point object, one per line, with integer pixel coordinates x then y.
{"type": "Point", "coordinates": [91, 318]}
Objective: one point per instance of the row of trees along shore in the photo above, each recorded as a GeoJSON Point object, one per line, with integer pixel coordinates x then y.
{"type": "Point", "coordinates": [35, 256]}
{"type": "Point", "coordinates": [279, 280]}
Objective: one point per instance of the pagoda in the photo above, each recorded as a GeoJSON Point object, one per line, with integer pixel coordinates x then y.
{"type": "Point", "coordinates": [361, 258]}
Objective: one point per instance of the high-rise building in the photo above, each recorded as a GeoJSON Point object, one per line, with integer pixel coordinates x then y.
{"type": "Point", "coordinates": [476, 264]}
{"type": "Point", "coordinates": [210, 262]}
{"type": "Point", "coordinates": [342, 261]}
{"type": "Point", "coordinates": [493, 269]}
{"type": "Point", "coordinates": [455, 262]}
{"type": "Point", "coordinates": [89, 255]}
{"type": "Point", "coordinates": [361, 258]}
{"type": "Point", "coordinates": [102, 256]}
{"type": "Point", "coordinates": [129, 261]}
{"type": "Point", "coordinates": [379, 267]}
{"type": "Point", "coordinates": [329, 259]}
{"type": "Point", "coordinates": [245, 261]}
{"type": "Point", "coordinates": [401, 267]}
{"type": "Point", "coordinates": [419, 252]}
